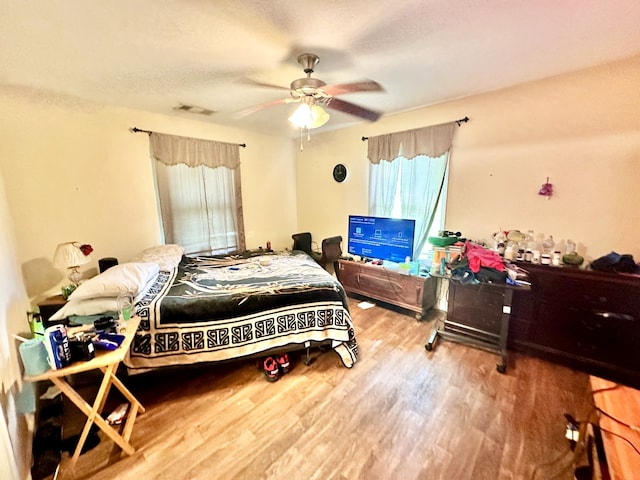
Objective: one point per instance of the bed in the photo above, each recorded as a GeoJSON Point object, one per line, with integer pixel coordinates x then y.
{"type": "Point", "coordinates": [211, 309]}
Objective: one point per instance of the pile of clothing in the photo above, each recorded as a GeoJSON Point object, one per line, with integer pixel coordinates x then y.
{"type": "Point", "coordinates": [478, 265]}
{"type": "Point", "coordinates": [615, 262]}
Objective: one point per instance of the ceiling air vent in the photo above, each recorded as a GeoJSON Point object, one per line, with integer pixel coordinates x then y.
{"type": "Point", "coordinates": [194, 109]}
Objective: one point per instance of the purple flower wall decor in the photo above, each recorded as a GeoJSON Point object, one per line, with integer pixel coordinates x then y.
{"type": "Point", "coordinates": [546, 190]}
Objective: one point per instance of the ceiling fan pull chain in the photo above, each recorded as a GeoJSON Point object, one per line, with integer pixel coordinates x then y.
{"type": "Point", "coordinates": [302, 129]}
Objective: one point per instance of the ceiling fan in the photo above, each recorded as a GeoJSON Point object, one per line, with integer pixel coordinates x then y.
{"type": "Point", "coordinates": [314, 93]}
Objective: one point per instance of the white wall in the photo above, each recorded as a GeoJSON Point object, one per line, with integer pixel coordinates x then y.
{"type": "Point", "coordinates": [582, 130]}
{"type": "Point", "coordinates": [74, 172]}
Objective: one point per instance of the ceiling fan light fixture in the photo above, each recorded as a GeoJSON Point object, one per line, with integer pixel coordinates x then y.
{"type": "Point", "coordinates": [309, 116]}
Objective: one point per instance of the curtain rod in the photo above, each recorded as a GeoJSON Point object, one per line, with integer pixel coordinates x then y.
{"type": "Point", "coordinates": [149, 132]}
{"type": "Point", "coordinates": [462, 120]}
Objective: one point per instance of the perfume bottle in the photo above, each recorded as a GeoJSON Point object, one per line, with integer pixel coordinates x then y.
{"type": "Point", "coordinates": [531, 246]}
{"type": "Point", "coordinates": [548, 244]}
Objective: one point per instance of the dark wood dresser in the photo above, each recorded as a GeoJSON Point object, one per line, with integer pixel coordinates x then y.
{"type": "Point", "coordinates": [584, 319]}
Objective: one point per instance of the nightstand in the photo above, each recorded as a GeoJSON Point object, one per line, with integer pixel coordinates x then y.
{"type": "Point", "coordinates": [48, 307]}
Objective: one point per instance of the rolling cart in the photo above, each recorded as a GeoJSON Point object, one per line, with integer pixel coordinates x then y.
{"type": "Point", "coordinates": [478, 316]}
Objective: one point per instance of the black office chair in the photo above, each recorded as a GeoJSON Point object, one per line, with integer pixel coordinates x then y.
{"type": "Point", "coordinates": [302, 241]}
{"type": "Point", "coordinates": [331, 251]}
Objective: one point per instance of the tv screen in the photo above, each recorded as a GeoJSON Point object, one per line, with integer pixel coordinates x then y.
{"type": "Point", "coordinates": [381, 238]}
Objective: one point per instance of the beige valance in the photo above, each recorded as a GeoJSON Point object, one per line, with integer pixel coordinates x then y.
{"type": "Point", "coordinates": [173, 149]}
{"type": "Point", "coordinates": [431, 141]}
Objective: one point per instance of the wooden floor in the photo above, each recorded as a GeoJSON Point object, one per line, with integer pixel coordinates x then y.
{"type": "Point", "coordinates": [400, 413]}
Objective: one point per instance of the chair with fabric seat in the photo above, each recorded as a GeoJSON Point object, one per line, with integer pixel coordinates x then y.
{"type": "Point", "coordinates": [331, 251]}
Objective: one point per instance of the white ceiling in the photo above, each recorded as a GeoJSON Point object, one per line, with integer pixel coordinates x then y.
{"type": "Point", "coordinates": [155, 54]}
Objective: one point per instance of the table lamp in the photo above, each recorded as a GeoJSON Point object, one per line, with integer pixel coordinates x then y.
{"type": "Point", "coordinates": [71, 255]}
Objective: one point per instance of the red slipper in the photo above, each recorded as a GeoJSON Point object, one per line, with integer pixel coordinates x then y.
{"type": "Point", "coordinates": [270, 369]}
{"type": "Point", "coordinates": [283, 362]}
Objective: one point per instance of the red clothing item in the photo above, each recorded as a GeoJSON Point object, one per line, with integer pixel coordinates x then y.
{"type": "Point", "coordinates": [478, 256]}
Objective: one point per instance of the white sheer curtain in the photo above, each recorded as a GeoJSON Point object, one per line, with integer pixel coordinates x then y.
{"type": "Point", "coordinates": [407, 175]}
{"type": "Point", "coordinates": [199, 193]}
{"type": "Point", "coordinates": [383, 181]}
{"type": "Point", "coordinates": [421, 188]}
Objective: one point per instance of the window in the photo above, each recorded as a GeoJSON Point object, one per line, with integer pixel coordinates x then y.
{"type": "Point", "coordinates": [198, 208]}
{"type": "Point", "coordinates": [199, 195]}
{"type": "Point", "coordinates": [413, 189]}
{"type": "Point", "coordinates": [408, 177]}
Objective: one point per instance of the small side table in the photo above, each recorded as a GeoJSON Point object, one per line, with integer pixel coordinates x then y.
{"type": "Point", "coordinates": [48, 307]}
{"type": "Point", "coordinates": [107, 362]}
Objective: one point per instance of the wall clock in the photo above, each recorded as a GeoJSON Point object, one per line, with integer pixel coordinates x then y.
{"type": "Point", "coordinates": [340, 173]}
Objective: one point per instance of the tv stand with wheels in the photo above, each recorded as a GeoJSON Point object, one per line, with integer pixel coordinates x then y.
{"type": "Point", "coordinates": [411, 292]}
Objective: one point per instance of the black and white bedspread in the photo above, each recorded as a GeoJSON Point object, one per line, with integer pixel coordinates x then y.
{"type": "Point", "coordinates": [221, 308]}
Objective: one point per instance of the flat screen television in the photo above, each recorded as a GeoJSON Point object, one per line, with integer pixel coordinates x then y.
{"type": "Point", "coordinates": [381, 238]}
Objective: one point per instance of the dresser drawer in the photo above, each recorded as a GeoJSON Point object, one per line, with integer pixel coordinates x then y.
{"type": "Point", "coordinates": [605, 338]}
{"type": "Point", "coordinates": [591, 295]}
{"type": "Point", "coordinates": [615, 293]}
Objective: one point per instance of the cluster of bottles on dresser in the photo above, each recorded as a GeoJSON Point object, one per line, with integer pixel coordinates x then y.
{"type": "Point", "coordinates": [524, 248]}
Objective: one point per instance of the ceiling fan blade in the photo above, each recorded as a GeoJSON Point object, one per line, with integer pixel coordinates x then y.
{"type": "Point", "coordinates": [352, 109]}
{"type": "Point", "coordinates": [257, 108]}
{"type": "Point", "coordinates": [361, 86]}
{"type": "Point", "coordinates": [254, 83]}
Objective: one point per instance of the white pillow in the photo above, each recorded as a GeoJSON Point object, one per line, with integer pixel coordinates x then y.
{"type": "Point", "coordinates": [91, 306]}
{"type": "Point", "coordinates": [167, 256]}
{"type": "Point", "coordinates": [124, 279]}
